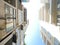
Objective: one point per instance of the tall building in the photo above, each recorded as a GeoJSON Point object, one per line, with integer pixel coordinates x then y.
{"type": "Point", "coordinates": [12, 17]}
{"type": "Point", "coordinates": [49, 16]}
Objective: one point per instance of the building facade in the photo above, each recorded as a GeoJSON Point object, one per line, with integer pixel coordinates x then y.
{"type": "Point", "coordinates": [50, 21]}
{"type": "Point", "coordinates": [12, 16]}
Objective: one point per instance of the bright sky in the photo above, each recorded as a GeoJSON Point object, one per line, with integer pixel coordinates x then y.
{"type": "Point", "coordinates": [33, 7]}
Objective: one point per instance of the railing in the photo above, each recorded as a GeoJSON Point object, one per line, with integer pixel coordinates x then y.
{"type": "Point", "coordinates": [12, 2]}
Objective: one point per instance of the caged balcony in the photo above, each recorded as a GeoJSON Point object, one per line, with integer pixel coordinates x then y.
{"type": "Point", "coordinates": [12, 2]}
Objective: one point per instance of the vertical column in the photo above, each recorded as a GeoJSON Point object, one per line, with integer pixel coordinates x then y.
{"type": "Point", "coordinates": [23, 14]}
{"type": "Point", "coordinates": [50, 13]}
{"type": "Point", "coordinates": [53, 9]}
{"type": "Point", "coordinates": [16, 12]}
{"type": "Point", "coordinates": [2, 20]}
{"type": "Point", "coordinates": [47, 11]}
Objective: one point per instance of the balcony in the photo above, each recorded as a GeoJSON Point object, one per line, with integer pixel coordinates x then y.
{"type": "Point", "coordinates": [10, 17]}
{"type": "Point", "coordinates": [12, 2]}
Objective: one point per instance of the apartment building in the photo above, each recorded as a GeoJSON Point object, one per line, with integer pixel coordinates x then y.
{"type": "Point", "coordinates": [49, 16]}
{"type": "Point", "coordinates": [12, 17]}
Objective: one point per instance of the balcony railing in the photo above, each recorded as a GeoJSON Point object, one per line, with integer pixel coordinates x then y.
{"type": "Point", "coordinates": [12, 2]}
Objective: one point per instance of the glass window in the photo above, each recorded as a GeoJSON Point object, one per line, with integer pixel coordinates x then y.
{"type": "Point", "coordinates": [14, 23]}
{"type": "Point", "coordinates": [14, 18]}
{"type": "Point", "coordinates": [20, 17]}
{"type": "Point", "coordinates": [56, 42]}
{"type": "Point", "coordinates": [9, 27]}
{"type": "Point", "coordinates": [7, 9]}
{"type": "Point", "coordinates": [11, 11]}
{"type": "Point", "coordinates": [48, 43]}
{"type": "Point", "coordinates": [58, 12]}
{"type": "Point", "coordinates": [25, 15]}
{"type": "Point", "coordinates": [12, 2]}
{"type": "Point", "coordinates": [58, 16]}
{"type": "Point", "coordinates": [14, 12]}
{"type": "Point", "coordinates": [10, 18]}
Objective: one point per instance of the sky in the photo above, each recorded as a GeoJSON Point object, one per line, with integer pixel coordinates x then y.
{"type": "Point", "coordinates": [33, 36]}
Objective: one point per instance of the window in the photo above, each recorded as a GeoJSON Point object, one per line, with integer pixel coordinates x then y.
{"type": "Point", "coordinates": [58, 5]}
{"type": "Point", "coordinates": [7, 9]}
{"type": "Point", "coordinates": [58, 12]}
{"type": "Point", "coordinates": [49, 35]}
{"type": "Point", "coordinates": [19, 2]}
{"type": "Point", "coordinates": [20, 17]}
{"type": "Point", "coordinates": [10, 18]}
{"type": "Point", "coordinates": [25, 14]}
{"type": "Point", "coordinates": [12, 2]}
{"type": "Point", "coordinates": [56, 42]}
{"type": "Point", "coordinates": [48, 43]}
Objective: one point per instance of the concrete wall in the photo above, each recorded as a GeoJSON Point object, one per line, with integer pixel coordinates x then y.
{"type": "Point", "coordinates": [2, 21]}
